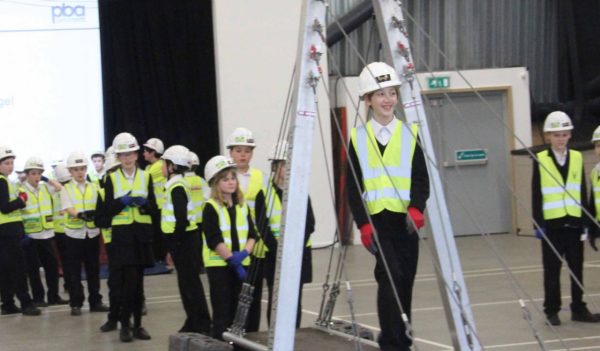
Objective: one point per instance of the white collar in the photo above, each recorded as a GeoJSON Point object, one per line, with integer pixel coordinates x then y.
{"type": "Point", "coordinates": [378, 126]}
{"type": "Point", "coordinates": [173, 180]}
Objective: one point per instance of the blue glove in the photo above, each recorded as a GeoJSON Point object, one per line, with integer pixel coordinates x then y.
{"type": "Point", "coordinates": [25, 240]}
{"type": "Point", "coordinates": [237, 258]}
{"type": "Point", "coordinates": [44, 179]}
{"type": "Point", "coordinates": [539, 232]}
{"type": "Point", "coordinates": [140, 201]}
{"type": "Point", "coordinates": [241, 272]}
{"type": "Point", "coordinates": [126, 199]}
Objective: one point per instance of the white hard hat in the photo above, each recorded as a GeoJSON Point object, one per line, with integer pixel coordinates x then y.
{"type": "Point", "coordinates": [240, 137]}
{"type": "Point", "coordinates": [111, 161]}
{"type": "Point", "coordinates": [76, 159]}
{"type": "Point", "coordinates": [56, 160]}
{"type": "Point", "coordinates": [34, 163]}
{"type": "Point", "coordinates": [596, 135]}
{"type": "Point", "coordinates": [156, 145]}
{"type": "Point", "coordinates": [280, 151]}
{"type": "Point", "coordinates": [98, 153]}
{"type": "Point", "coordinates": [557, 121]}
{"type": "Point", "coordinates": [177, 154]}
{"type": "Point", "coordinates": [125, 142]}
{"type": "Point", "coordinates": [194, 160]}
{"type": "Point", "coordinates": [61, 173]}
{"type": "Point", "coordinates": [110, 150]}
{"type": "Point", "coordinates": [5, 152]}
{"type": "Point", "coordinates": [216, 165]}
{"type": "Point", "coordinates": [375, 76]}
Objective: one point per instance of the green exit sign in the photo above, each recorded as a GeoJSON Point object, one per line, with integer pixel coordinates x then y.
{"type": "Point", "coordinates": [470, 155]}
{"type": "Point", "coordinates": [438, 82]}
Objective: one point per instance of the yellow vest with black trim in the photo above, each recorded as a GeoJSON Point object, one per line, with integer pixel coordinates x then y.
{"type": "Point", "coordinates": [197, 186]}
{"type": "Point", "coordinates": [560, 199]}
{"type": "Point", "coordinates": [387, 177]}
{"type": "Point", "coordinates": [82, 202]}
{"type": "Point", "coordinates": [595, 181]}
{"type": "Point", "coordinates": [167, 214]}
{"type": "Point", "coordinates": [106, 232]}
{"type": "Point", "coordinates": [139, 187]}
{"type": "Point", "coordinates": [58, 217]}
{"type": "Point", "coordinates": [274, 212]}
{"type": "Point", "coordinates": [14, 216]}
{"type": "Point", "coordinates": [38, 212]}
{"type": "Point", "coordinates": [158, 180]}
{"type": "Point", "coordinates": [212, 258]}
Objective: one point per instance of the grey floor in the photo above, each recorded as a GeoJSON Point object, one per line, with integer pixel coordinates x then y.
{"type": "Point", "coordinates": [494, 299]}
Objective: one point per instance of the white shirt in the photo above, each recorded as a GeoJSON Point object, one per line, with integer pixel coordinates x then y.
{"type": "Point", "coordinates": [382, 133]}
{"type": "Point", "coordinates": [561, 158]}
{"type": "Point", "coordinates": [244, 179]}
{"type": "Point", "coordinates": [45, 233]}
{"type": "Point", "coordinates": [66, 202]}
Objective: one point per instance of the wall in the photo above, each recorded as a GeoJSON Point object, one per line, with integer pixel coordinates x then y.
{"type": "Point", "coordinates": [255, 48]}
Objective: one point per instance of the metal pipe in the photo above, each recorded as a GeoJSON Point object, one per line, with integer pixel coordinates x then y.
{"type": "Point", "coordinates": [351, 20]}
{"type": "Point", "coordinates": [243, 342]}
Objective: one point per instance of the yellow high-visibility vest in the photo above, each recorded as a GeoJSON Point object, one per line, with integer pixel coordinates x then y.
{"type": "Point", "coordinates": [167, 215]}
{"type": "Point", "coordinates": [274, 211]}
{"type": "Point", "coordinates": [212, 258]}
{"type": "Point", "coordinates": [560, 199]}
{"type": "Point", "coordinates": [197, 186]}
{"type": "Point", "coordinates": [595, 181]}
{"type": "Point", "coordinates": [158, 180]}
{"type": "Point", "coordinates": [139, 187]}
{"type": "Point", "coordinates": [387, 177]}
{"type": "Point", "coordinates": [58, 218]}
{"type": "Point", "coordinates": [82, 202]}
{"type": "Point", "coordinates": [255, 185]}
{"type": "Point", "coordinates": [14, 216]}
{"type": "Point", "coordinates": [38, 212]}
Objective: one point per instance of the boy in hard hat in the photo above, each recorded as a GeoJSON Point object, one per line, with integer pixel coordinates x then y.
{"type": "Point", "coordinates": [97, 174]}
{"type": "Point", "coordinates": [79, 199]}
{"type": "Point", "coordinates": [130, 203]}
{"type": "Point", "coordinates": [558, 196]}
{"type": "Point", "coordinates": [13, 276]}
{"type": "Point", "coordinates": [63, 176]}
{"type": "Point", "coordinates": [229, 235]}
{"type": "Point", "coordinates": [387, 198]}
{"type": "Point", "coordinates": [39, 234]}
{"type": "Point", "coordinates": [594, 232]}
{"type": "Point", "coordinates": [200, 193]}
{"type": "Point", "coordinates": [153, 150]}
{"type": "Point", "coordinates": [178, 223]}
{"type": "Point", "coordinates": [252, 182]}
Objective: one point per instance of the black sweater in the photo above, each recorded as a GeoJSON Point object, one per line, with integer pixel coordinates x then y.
{"type": "Point", "coordinates": [6, 207]}
{"type": "Point", "coordinates": [419, 190]}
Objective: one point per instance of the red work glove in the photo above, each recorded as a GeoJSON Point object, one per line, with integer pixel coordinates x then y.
{"type": "Point", "coordinates": [23, 196]}
{"type": "Point", "coordinates": [416, 220]}
{"type": "Point", "coordinates": [366, 236]}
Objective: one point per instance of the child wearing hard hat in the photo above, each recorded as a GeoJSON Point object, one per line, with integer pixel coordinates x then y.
{"type": "Point", "coordinates": [594, 232]}
{"type": "Point", "coordinates": [390, 170]}
{"type": "Point", "coordinates": [229, 236]}
{"type": "Point", "coordinates": [130, 203]}
{"type": "Point", "coordinates": [274, 195]}
{"type": "Point", "coordinates": [178, 223]}
{"type": "Point", "coordinates": [39, 234]}
{"type": "Point", "coordinates": [13, 277]}
{"type": "Point", "coordinates": [252, 182]}
{"type": "Point", "coordinates": [97, 174]}
{"type": "Point", "coordinates": [558, 196]}
{"type": "Point", "coordinates": [79, 199]}
{"type": "Point", "coordinates": [63, 176]}
{"type": "Point", "coordinates": [153, 150]}
{"type": "Point", "coordinates": [200, 193]}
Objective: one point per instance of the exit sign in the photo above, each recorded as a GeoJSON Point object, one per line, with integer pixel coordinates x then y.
{"type": "Point", "coordinates": [470, 155]}
{"type": "Point", "coordinates": [438, 82]}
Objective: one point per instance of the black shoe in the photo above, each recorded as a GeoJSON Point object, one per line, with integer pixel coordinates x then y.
{"type": "Point", "coordinates": [125, 334]}
{"type": "Point", "coordinates": [585, 316]}
{"type": "Point", "coordinates": [10, 310]}
{"type": "Point", "coordinates": [40, 303]}
{"type": "Point", "coordinates": [552, 319]}
{"type": "Point", "coordinates": [31, 310]}
{"type": "Point", "coordinates": [110, 325]}
{"type": "Point", "coordinates": [75, 311]}
{"type": "Point", "coordinates": [141, 333]}
{"type": "Point", "coordinates": [99, 307]}
{"type": "Point", "coordinates": [144, 309]}
{"type": "Point", "coordinates": [58, 301]}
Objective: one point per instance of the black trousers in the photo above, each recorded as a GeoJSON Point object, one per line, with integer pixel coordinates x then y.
{"type": "Point", "coordinates": [224, 291]}
{"type": "Point", "coordinates": [185, 254]}
{"type": "Point", "coordinates": [83, 252]}
{"type": "Point", "coordinates": [401, 250]}
{"type": "Point", "coordinates": [567, 242]}
{"type": "Point", "coordinates": [40, 253]}
{"type": "Point", "coordinates": [13, 276]}
{"type": "Point", "coordinates": [132, 294]}
{"type": "Point", "coordinates": [256, 274]}
{"type": "Point", "coordinates": [159, 245]}
{"type": "Point", "coordinates": [61, 246]}
{"type": "Point", "coordinates": [114, 287]}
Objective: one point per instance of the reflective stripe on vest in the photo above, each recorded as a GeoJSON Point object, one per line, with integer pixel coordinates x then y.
{"type": "Point", "coordinates": [14, 216]}
{"type": "Point", "coordinates": [158, 181]}
{"type": "Point", "coordinates": [58, 217]}
{"type": "Point", "coordinates": [387, 177]}
{"type": "Point", "coordinates": [275, 211]}
{"type": "Point", "coordinates": [38, 212]}
{"type": "Point", "coordinates": [167, 214]}
{"type": "Point", "coordinates": [197, 185]}
{"type": "Point", "coordinates": [212, 258]}
{"type": "Point", "coordinates": [139, 187]}
{"type": "Point", "coordinates": [595, 181]}
{"type": "Point", "coordinates": [560, 199]}
{"type": "Point", "coordinates": [82, 202]}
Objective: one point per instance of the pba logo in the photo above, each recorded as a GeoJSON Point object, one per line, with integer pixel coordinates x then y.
{"type": "Point", "coordinates": [68, 13]}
